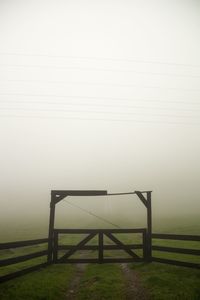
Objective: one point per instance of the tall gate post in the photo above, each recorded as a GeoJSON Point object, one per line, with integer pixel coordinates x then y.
{"type": "Point", "coordinates": [149, 227]}
{"type": "Point", "coordinates": [51, 227]}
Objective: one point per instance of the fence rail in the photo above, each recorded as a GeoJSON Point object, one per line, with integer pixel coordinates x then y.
{"type": "Point", "coordinates": [22, 258]}
{"type": "Point", "coordinates": [176, 237]}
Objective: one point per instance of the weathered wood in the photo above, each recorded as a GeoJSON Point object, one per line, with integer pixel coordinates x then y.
{"type": "Point", "coordinates": [78, 246]}
{"type": "Point", "coordinates": [115, 230]}
{"type": "Point", "coordinates": [181, 237]}
{"type": "Point", "coordinates": [141, 197]}
{"type": "Point", "coordinates": [21, 272]}
{"type": "Point", "coordinates": [60, 194]}
{"type": "Point", "coordinates": [176, 262]}
{"type": "Point", "coordinates": [18, 244]}
{"type": "Point", "coordinates": [115, 240]}
{"type": "Point", "coordinates": [96, 247]}
{"type": "Point", "coordinates": [18, 259]}
{"type": "Point", "coordinates": [176, 250]}
{"type": "Point", "coordinates": [95, 260]}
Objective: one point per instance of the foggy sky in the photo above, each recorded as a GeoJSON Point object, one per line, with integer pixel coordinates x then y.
{"type": "Point", "coordinates": [99, 95]}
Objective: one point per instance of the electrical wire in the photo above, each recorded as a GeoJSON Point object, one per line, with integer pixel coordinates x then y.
{"type": "Point", "coordinates": [100, 59]}
{"type": "Point", "coordinates": [92, 214]}
{"type": "Point", "coordinates": [99, 84]}
{"type": "Point", "coordinates": [99, 112]}
{"type": "Point", "coordinates": [100, 98]}
{"type": "Point", "coordinates": [99, 69]}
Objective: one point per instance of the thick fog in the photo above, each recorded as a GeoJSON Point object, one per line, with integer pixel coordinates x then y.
{"type": "Point", "coordinates": [99, 95]}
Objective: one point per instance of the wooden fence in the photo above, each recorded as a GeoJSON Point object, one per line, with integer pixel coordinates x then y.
{"type": "Point", "coordinates": [100, 247]}
{"type": "Point", "coordinates": [176, 237]}
{"type": "Point", "coordinates": [22, 258]}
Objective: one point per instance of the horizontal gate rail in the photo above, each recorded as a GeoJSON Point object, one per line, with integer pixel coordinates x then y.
{"type": "Point", "coordinates": [79, 231]}
{"type": "Point", "coordinates": [96, 247]}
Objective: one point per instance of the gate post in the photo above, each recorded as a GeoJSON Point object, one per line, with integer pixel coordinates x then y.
{"type": "Point", "coordinates": [51, 227]}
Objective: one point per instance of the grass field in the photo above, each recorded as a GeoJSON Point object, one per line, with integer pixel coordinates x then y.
{"type": "Point", "coordinates": [99, 282]}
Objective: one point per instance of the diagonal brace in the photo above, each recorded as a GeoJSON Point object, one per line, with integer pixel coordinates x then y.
{"type": "Point", "coordinates": [78, 246]}
{"type": "Point", "coordinates": [141, 197]}
{"type": "Point", "coordinates": [119, 243]}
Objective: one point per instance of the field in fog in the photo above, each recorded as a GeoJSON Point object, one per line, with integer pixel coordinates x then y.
{"type": "Point", "coordinates": [162, 282]}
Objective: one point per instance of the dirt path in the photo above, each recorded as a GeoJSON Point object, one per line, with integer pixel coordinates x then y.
{"type": "Point", "coordinates": [134, 288]}
{"type": "Point", "coordinates": [74, 285]}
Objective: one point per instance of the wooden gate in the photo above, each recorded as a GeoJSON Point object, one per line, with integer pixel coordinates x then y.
{"type": "Point", "coordinates": [100, 246]}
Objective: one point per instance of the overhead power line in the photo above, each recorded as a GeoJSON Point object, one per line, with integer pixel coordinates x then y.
{"type": "Point", "coordinates": [101, 84]}
{"type": "Point", "coordinates": [98, 112]}
{"type": "Point", "coordinates": [101, 59]}
{"type": "Point", "coordinates": [100, 119]}
{"type": "Point", "coordinates": [91, 105]}
{"type": "Point", "coordinates": [92, 214]}
{"type": "Point", "coordinates": [99, 69]}
{"type": "Point", "coordinates": [165, 101]}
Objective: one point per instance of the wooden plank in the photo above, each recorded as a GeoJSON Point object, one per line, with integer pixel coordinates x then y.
{"type": "Point", "coordinates": [96, 247]}
{"type": "Point", "coordinates": [122, 260]}
{"type": "Point", "coordinates": [115, 230]}
{"type": "Point", "coordinates": [79, 193]}
{"type": "Point", "coordinates": [21, 272]}
{"type": "Point", "coordinates": [100, 247]}
{"type": "Point", "coordinates": [78, 246]}
{"type": "Point", "coordinates": [176, 263]}
{"type": "Point", "coordinates": [78, 260]}
{"type": "Point", "coordinates": [115, 240]}
{"type": "Point", "coordinates": [176, 250]}
{"type": "Point", "coordinates": [181, 237]}
{"type": "Point", "coordinates": [95, 260]}
{"type": "Point", "coordinates": [18, 259]}
{"type": "Point", "coordinates": [141, 197]}
{"type": "Point", "coordinates": [18, 244]}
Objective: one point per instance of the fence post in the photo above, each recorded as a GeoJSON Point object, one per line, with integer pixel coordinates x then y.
{"type": "Point", "coordinates": [100, 247]}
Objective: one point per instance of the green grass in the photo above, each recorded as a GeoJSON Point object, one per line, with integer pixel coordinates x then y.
{"type": "Point", "coordinates": [166, 282]}
{"type": "Point", "coordinates": [102, 282]}
{"type": "Point", "coordinates": [50, 283]}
